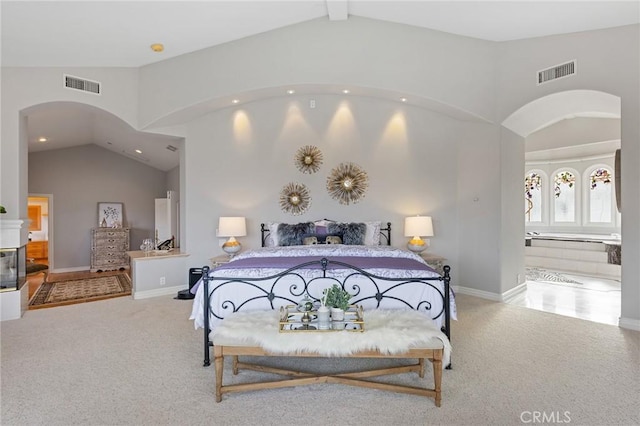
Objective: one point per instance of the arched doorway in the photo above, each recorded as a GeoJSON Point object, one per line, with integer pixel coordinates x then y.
{"type": "Point", "coordinates": [565, 275]}
{"type": "Point", "coordinates": [91, 155]}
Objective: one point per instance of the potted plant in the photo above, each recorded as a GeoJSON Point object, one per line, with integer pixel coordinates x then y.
{"type": "Point", "coordinates": [2, 209]}
{"type": "Point", "coordinates": [337, 299]}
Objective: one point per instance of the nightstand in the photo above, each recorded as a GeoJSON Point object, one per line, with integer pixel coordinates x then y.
{"type": "Point", "coordinates": [435, 261]}
{"type": "Point", "coordinates": [220, 260]}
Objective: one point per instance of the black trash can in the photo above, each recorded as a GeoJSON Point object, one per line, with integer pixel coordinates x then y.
{"type": "Point", "coordinates": [194, 275]}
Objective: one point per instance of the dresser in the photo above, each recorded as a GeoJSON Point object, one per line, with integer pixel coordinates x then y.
{"type": "Point", "coordinates": [38, 249]}
{"type": "Point", "coordinates": [109, 248]}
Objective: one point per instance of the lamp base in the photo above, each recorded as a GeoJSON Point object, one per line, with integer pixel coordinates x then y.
{"type": "Point", "coordinates": [417, 248]}
{"type": "Point", "coordinates": [231, 248]}
{"type": "Point", "coordinates": [417, 245]}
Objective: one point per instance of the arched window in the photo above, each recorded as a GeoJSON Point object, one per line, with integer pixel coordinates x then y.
{"type": "Point", "coordinates": [533, 197]}
{"type": "Point", "coordinates": [565, 197]}
{"type": "Point", "coordinates": [600, 196]}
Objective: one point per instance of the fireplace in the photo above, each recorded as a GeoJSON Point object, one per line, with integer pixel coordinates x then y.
{"type": "Point", "coordinates": [14, 295]}
{"type": "Point", "coordinates": [13, 263]}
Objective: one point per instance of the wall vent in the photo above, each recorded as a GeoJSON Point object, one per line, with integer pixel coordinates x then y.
{"type": "Point", "coordinates": [559, 71]}
{"type": "Point", "coordinates": [77, 83]}
{"type": "Point", "coordinates": [172, 148]}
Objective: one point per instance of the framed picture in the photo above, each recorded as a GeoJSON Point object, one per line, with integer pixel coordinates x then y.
{"type": "Point", "coordinates": [110, 215]}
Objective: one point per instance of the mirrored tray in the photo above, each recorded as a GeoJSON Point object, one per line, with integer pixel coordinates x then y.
{"type": "Point", "coordinates": [292, 319]}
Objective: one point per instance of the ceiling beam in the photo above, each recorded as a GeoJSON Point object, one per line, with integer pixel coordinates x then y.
{"type": "Point", "coordinates": [338, 10]}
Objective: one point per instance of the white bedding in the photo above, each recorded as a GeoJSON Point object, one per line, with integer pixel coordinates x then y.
{"type": "Point", "coordinates": [330, 250]}
{"type": "Point", "coordinates": [238, 292]}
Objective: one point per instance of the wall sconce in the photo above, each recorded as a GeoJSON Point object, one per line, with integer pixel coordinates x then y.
{"type": "Point", "coordinates": [232, 227]}
{"type": "Point", "coordinates": [416, 227]}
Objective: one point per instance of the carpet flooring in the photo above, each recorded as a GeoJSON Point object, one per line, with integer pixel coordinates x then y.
{"type": "Point", "coordinates": [58, 293]}
{"type": "Point", "coordinates": [138, 362]}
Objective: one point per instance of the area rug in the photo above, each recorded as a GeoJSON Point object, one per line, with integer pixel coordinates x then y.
{"type": "Point", "coordinates": [539, 274]}
{"type": "Point", "coordinates": [80, 290]}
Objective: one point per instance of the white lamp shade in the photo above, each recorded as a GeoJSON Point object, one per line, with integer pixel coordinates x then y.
{"type": "Point", "coordinates": [418, 226]}
{"type": "Point", "coordinates": [232, 227]}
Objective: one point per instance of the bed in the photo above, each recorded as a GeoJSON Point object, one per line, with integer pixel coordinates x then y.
{"type": "Point", "coordinates": [306, 258]}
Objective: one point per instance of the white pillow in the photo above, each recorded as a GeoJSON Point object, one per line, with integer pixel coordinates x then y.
{"type": "Point", "coordinates": [272, 238]}
{"type": "Point", "coordinates": [372, 235]}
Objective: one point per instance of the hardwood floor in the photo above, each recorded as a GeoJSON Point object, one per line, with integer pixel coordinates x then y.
{"type": "Point", "coordinates": [589, 298]}
{"type": "Point", "coordinates": [594, 299]}
{"type": "Point", "coordinates": [35, 281]}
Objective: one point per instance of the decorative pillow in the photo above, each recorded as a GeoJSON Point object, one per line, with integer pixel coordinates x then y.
{"type": "Point", "coordinates": [333, 239]}
{"type": "Point", "coordinates": [291, 235]}
{"type": "Point", "coordinates": [352, 233]}
{"type": "Point", "coordinates": [319, 238]}
{"type": "Point", "coordinates": [307, 241]}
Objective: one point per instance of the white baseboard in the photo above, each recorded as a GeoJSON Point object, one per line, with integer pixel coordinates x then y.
{"type": "Point", "coordinates": [478, 293]}
{"type": "Point", "coordinates": [513, 292]}
{"type": "Point", "coordinates": [629, 323]}
{"type": "Point", "coordinates": [76, 269]}
{"type": "Point", "coordinates": [158, 292]}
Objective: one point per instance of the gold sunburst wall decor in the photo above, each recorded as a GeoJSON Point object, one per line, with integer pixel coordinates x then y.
{"type": "Point", "coordinates": [347, 183]}
{"type": "Point", "coordinates": [295, 198]}
{"type": "Point", "coordinates": [308, 159]}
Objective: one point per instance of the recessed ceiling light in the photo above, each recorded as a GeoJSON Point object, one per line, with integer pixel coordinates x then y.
{"type": "Point", "coordinates": [345, 91]}
{"type": "Point", "coordinates": [403, 99]}
{"type": "Point", "coordinates": [157, 47]}
{"type": "Point", "coordinates": [42, 139]}
{"type": "Point", "coordinates": [138, 151]}
{"type": "Point", "coordinates": [235, 101]}
{"type": "Point", "coordinates": [291, 91]}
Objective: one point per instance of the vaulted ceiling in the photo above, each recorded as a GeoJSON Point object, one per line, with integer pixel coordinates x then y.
{"type": "Point", "coordinates": [119, 34]}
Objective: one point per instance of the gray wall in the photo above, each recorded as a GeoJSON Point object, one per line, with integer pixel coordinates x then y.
{"type": "Point", "coordinates": [233, 169]}
{"type": "Point", "coordinates": [478, 209]}
{"type": "Point", "coordinates": [511, 209]}
{"type": "Point", "coordinates": [173, 181]}
{"type": "Point", "coordinates": [23, 88]}
{"type": "Point", "coordinates": [577, 131]}
{"type": "Point", "coordinates": [485, 81]}
{"type": "Point", "coordinates": [81, 177]}
{"type": "Point", "coordinates": [455, 71]}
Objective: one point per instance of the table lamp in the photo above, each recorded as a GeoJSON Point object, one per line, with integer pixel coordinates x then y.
{"type": "Point", "coordinates": [232, 227]}
{"type": "Point", "coordinates": [416, 227]}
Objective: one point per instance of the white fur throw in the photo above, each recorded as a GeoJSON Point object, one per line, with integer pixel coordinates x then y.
{"type": "Point", "coordinates": [388, 331]}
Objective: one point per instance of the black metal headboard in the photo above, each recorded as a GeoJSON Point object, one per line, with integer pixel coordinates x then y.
{"type": "Point", "coordinates": [385, 233]}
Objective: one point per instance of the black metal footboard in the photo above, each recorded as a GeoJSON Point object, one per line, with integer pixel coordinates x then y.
{"type": "Point", "coordinates": [369, 289]}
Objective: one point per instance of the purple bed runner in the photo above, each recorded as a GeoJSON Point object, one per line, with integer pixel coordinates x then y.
{"type": "Point", "coordinates": [361, 262]}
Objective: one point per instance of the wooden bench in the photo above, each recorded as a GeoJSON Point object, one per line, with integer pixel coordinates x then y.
{"type": "Point", "coordinates": [431, 349]}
